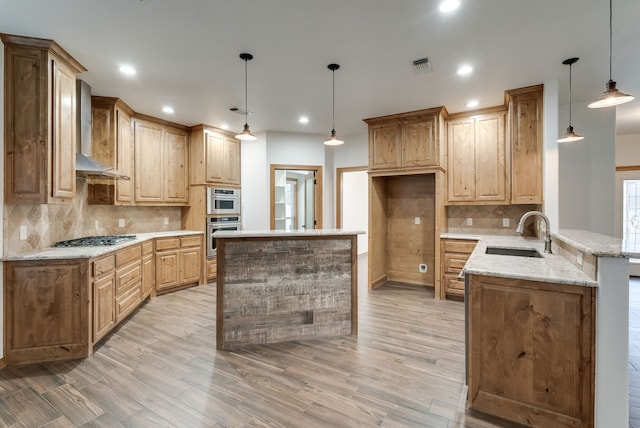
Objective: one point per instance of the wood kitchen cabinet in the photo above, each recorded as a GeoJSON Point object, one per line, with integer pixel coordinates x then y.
{"type": "Point", "coordinates": [47, 306]}
{"type": "Point", "coordinates": [214, 157]}
{"type": "Point", "coordinates": [40, 121]}
{"type": "Point", "coordinates": [112, 144]}
{"type": "Point", "coordinates": [128, 275]}
{"type": "Point", "coordinates": [478, 167]}
{"type": "Point", "coordinates": [455, 253]}
{"type": "Point", "coordinates": [178, 262]}
{"type": "Point", "coordinates": [531, 351]}
{"type": "Point", "coordinates": [148, 270]}
{"type": "Point", "coordinates": [161, 163]}
{"type": "Point", "coordinates": [104, 288]}
{"type": "Point", "coordinates": [406, 141]}
{"type": "Point", "coordinates": [525, 124]}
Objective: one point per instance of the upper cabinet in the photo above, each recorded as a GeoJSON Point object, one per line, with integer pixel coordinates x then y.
{"type": "Point", "coordinates": [215, 157]}
{"type": "Point", "coordinates": [406, 141]}
{"type": "Point", "coordinates": [477, 171]}
{"type": "Point", "coordinates": [525, 123]}
{"type": "Point", "coordinates": [40, 121]}
{"type": "Point", "coordinates": [112, 144]}
{"type": "Point", "coordinates": [160, 163]}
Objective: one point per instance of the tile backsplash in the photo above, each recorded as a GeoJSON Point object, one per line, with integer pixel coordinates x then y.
{"type": "Point", "coordinates": [47, 224]}
{"type": "Point", "coordinates": [486, 219]}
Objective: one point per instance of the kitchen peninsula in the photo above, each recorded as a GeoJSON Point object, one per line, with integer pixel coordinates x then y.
{"type": "Point", "coordinates": [276, 286]}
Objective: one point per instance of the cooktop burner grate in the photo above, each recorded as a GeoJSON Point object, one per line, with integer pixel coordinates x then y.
{"type": "Point", "coordinates": [95, 241]}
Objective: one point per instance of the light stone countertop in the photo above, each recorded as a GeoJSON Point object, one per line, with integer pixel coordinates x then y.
{"type": "Point", "coordinates": [53, 253]}
{"type": "Point", "coordinates": [550, 268]}
{"type": "Point", "coordinates": [597, 244]}
{"type": "Point", "coordinates": [283, 233]}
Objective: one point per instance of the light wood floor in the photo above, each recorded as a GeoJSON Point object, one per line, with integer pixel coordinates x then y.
{"type": "Point", "coordinates": [160, 369]}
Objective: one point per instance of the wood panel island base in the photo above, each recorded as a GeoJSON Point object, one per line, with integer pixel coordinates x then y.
{"type": "Point", "coordinates": [277, 286]}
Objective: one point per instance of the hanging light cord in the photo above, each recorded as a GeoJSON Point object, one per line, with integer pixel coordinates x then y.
{"type": "Point", "coordinates": [610, 35]}
{"type": "Point", "coordinates": [333, 108]}
{"type": "Point", "coordinates": [570, 66]}
{"type": "Point", "coordinates": [246, 97]}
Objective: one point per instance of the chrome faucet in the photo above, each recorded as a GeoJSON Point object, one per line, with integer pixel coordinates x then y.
{"type": "Point", "coordinates": [547, 238]}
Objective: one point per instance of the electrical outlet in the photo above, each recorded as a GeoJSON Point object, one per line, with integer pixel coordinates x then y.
{"type": "Point", "coordinates": [97, 224]}
{"type": "Point", "coordinates": [422, 268]}
{"type": "Point", "coordinates": [166, 220]}
{"type": "Point", "coordinates": [120, 222]}
{"type": "Point", "coordinates": [23, 233]}
{"type": "Point", "coordinates": [469, 221]}
{"type": "Point", "coordinates": [417, 220]}
{"type": "Point", "coordinates": [505, 222]}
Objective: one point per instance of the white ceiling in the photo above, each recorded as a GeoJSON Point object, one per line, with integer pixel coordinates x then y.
{"type": "Point", "coordinates": [186, 53]}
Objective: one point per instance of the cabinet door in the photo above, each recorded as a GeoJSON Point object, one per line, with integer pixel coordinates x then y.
{"type": "Point", "coordinates": [148, 162]}
{"type": "Point", "coordinates": [63, 142]}
{"type": "Point", "coordinates": [231, 161]}
{"type": "Point", "coordinates": [176, 172]}
{"type": "Point", "coordinates": [125, 150]}
{"type": "Point", "coordinates": [490, 168]}
{"type": "Point", "coordinates": [167, 269]}
{"type": "Point", "coordinates": [148, 275]}
{"type": "Point", "coordinates": [384, 146]}
{"type": "Point", "coordinates": [526, 147]}
{"type": "Point", "coordinates": [462, 164]}
{"type": "Point", "coordinates": [104, 316]}
{"type": "Point", "coordinates": [190, 265]}
{"type": "Point", "coordinates": [419, 144]}
{"type": "Point", "coordinates": [214, 152]}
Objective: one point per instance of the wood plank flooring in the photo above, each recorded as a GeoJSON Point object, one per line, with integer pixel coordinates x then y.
{"type": "Point", "coordinates": [161, 369]}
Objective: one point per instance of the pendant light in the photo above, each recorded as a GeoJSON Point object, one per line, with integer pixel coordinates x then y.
{"type": "Point", "coordinates": [570, 136]}
{"type": "Point", "coordinates": [611, 96]}
{"type": "Point", "coordinates": [246, 134]}
{"type": "Point", "coordinates": [333, 140]}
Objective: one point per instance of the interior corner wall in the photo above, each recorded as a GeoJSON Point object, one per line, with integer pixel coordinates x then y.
{"type": "Point", "coordinates": [550, 156]}
{"type": "Point", "coordinates": [255, 170]}
{"type": "Point", "coordinates": [627, 153]}
{"type": "Point", "coordinates": [587, 170]}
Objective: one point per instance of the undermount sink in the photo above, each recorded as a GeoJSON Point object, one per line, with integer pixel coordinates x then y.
{"type": "Point", "coordinates": [519, 252]}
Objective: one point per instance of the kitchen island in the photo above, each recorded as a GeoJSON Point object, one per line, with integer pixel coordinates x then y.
{"type": "Point", "coordinates": [547, 336]}
{"type": "Point", "coordinates": [276, 286]}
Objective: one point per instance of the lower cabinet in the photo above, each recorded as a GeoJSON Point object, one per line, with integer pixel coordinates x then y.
{"type": "Point", "coordinates": [128, 281]}
{"type": "Point", "coordinates": [178, 262]}
{"type": "Point", "coordinates": [104, 289]}
{"type": "Point", "coordinates": [148, 270]}
{"type": "Point", "coordinates": [531, 351]}
{"type": "Point", "coordinates": [46, 305]}
{"type": "Point", "coordinates": [212, 269]}
{"type": "Point", "coordinates": [454, 255]}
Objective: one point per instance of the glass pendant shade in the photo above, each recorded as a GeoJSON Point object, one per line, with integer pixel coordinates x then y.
{"type": "Point", "coordinates": [333, 140]}
{"type": "Point", "coordinates": [611, 95]}
{"type": "Point", "coordinates": [246, 134]}
{"type": "Point", "coordinates": [570, 135]}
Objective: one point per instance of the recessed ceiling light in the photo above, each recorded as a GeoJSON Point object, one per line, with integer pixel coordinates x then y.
{"type": "Point", "coordinates": [167, 109]}
{"type": "Point", "coordinates": [472, 103]}
{"type": "Point", "coordinates": [449, 5]}
{"type": "Point", "coordinates": [465, 70]}
{"type": "Point", "coordinates": [128, 70]}
{"type": "Point", "coordinates": [224, 126]}
{"type": "Point", "coordinates": [303, 119]}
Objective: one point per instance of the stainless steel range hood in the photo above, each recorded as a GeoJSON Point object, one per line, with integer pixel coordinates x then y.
{"type": "Point", "coordinates": [86, 166]}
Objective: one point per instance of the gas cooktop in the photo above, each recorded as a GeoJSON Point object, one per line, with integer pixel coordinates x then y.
{"type": "Point", "coordinates": [95, 241]}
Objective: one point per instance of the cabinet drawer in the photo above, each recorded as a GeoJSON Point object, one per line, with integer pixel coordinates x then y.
{"type": "Point", "coordinates": [147, 247]}
{"type": "Point", "coordinates": [212, 268]}
{"type": "Point", "coordinates": [453, 263]}
{"type": "Point", "coordinates": [104, 265]}
{"type": "Point", "coordinates": [167, 243]}
{"type": "Point", "coordinates": [190, 241]}
{"type": "Point", "coordinates": [127, 303]}
{"type": "Point", "coordinates": [127, 255]}
{"type": "Point", "coordinates": [458, 246]}
{"type": "Point", "coordinates": [453, 285]}
{"type": "Point", "coordinates": [128, 277]}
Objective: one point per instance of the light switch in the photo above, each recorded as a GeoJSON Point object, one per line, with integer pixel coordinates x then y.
{"type": "Point", "coordinates": [23, 233]}
{"type": "Point", "coordinates": [579, 258]}
{"type": "Point", "coordinates": [97, 224]}
{"type": "Point", "coordinates": [120, 222]}
{"type": "Point", "coordinates": [417, 220]}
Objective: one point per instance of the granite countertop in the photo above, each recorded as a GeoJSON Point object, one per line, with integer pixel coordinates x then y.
{"type": "Point", "coordinates": [53, 253]}
{"type": "Point", "coordinates": [283, 233]}
{"type": "Point", "coordinates": [597, 244]}
{"type": "Point", "coordinates": [549, 268]}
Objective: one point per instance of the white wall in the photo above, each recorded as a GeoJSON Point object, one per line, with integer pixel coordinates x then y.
{"type": "Point", "coordinates": [1, 195]}
{"type": "Point", "coordinates": [587, 170]}
{"type": "Point", "coordinates": [551, 205]}
{"type": "Point", "coordinates": [355, 206]}
{"type": "Point", "coordinates": [627, 149]}
{"type": "Point", "coordinates": [255, 170]}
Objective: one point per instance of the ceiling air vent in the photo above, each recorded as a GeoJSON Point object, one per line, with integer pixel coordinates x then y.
{"type": "Point", "coordinates": [422, 65]}
{"type": "Point", "coordinates": [239, 110]}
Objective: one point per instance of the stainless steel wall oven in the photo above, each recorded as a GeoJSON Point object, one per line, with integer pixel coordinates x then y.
{"type": "Point", "coordinates": [219, 223]}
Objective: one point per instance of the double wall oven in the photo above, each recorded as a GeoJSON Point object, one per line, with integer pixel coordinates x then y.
{"type": "Point", "coordinates": [223, 213]}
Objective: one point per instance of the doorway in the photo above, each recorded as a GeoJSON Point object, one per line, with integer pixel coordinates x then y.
{"type": "Point", "coordinates": [627, 222]}
{"type": "Point", "coordinates": [296, 197]}
{"type": "Point", "coordinates": [352, 204]}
